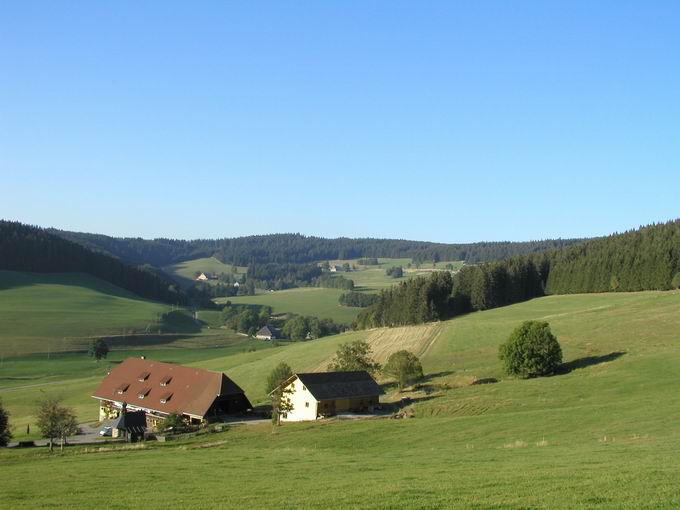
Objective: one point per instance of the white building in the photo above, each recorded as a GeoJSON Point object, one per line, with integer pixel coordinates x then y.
{"type": "Point", "coordinates": [319, 394]}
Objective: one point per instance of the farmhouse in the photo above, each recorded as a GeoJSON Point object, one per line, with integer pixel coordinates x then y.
{"type": "Point", "coordinates": [205, 277]}
{"type": "Point", "coordinates": [316, 395]}
{"type": "Point", "coordinates": [266, 333]}
{"type": "Point", "coordinates": [159, 389]}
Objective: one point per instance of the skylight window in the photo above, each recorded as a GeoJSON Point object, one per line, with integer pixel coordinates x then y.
{"type": "Point", "coordinates": [144, 376]}
{"type": "Point", "coordinates": [166, 398]}
{"type": "Point", "coordinates": [166, 380]}
{"type": "Point", "coordinates": [122, 388]}
{"type": "Point", "coordinates": [143, 393]}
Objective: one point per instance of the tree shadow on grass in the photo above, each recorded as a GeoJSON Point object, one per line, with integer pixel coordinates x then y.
{"type": "Point", "coordinates": [589, 361]}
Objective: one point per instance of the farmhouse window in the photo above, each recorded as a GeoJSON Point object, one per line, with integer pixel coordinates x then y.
{"type": "Point", "coordinates": [122, 388]}
{"type": "Point", "coordinates": [143, 393]}
{"type": "Point", "coordinates": [306, 404]}
{"type": "Point", "coordinates": [166, 380]}
{"type": "Point", "coordinates": [304, 388]}
{"type": "Point", "coordinates": [144, 376]}
{"type": "Point", "coordinates": [165, 398]}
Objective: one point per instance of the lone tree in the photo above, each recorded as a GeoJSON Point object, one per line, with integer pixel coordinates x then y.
{"type": "Point", "coordinates": [405, 367]}
{"type": "Point", "coordinates": [353, 356]}
{"type": "Point", "coordinates": [174, 422]}
{"type": "Point", "coordinates": [55, 421]}
{"type": "Point", "coordinates": [98, 349]}
{"type": "Point", "coordinates": [5, 431]}
{"type": "Point", "coordinates": [531, 351]}
{"type": "Point", "coordinates": [281, 404]}
{"type": "Point", "coordinates": [279, 374]}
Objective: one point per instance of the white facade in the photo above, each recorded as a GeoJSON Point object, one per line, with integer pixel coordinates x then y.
{"type": "Point", "coordinates": [202, 277]}
{"type": "Point", "coordinates": [305, 406]}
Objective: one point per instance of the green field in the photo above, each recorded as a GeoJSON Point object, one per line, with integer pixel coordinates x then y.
{"type": "Point", "coordinates": [323, 303]}
{"type": "Point", "coordinates": [314, 301]}
{"type": "Point", "coordinates": [604, 434]}
{"type": "Point", "coordinates": [185, 271]}
{"type": "Point", "coordinates": [57, 312]}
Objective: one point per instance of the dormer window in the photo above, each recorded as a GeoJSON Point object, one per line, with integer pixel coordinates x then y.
{"type": "Point", "coordinates": [166, 398]}
{"type": "Point", "coordinates": [143, 393]}
{"type": "Point", "coordinates": [144, 376]}
{"type": "Point", "coordinates": [122, 388]}
{"type": "Point", "coordinates": [166, 380]}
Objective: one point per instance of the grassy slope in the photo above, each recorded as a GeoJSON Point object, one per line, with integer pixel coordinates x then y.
{"type": "Point", "coordinates": [319, 302]}
{"type": "Point", "coordinates": [605, 434]}
{"type": "Point", "coordinates": [323, 303]}
{"type": "Point", "coordinates": [41, 312]}
{"type": "Point", "coordinates": [184, 271]}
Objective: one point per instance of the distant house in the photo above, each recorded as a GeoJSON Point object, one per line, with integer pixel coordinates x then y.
{"type": "Point", "coordinates": [316, 395]}
{"type": "Point", "coordinates": [205, 277]}
{"type": "Point", "coordinates": [237, 284]}
{"type": "Point", "coordinates": [334, 268]}
{"type": "Point", "coordinates": [159, 389]}
{"type": "Point", "coordinates": [266, 333]}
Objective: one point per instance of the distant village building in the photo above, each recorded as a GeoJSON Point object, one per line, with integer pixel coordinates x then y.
{"type": "Point", "coordinates": [266, 333]}
{"type": "Point", "coordinates": [159, 389]}
{"type": "Point", "coordinates": [316, 395]}
{"type": "Point", "coordinates": [334, 268]}
{"type": "Point", "coordinates": [205, 277]}
{"type": "Point", "coordinates": [237, 284]}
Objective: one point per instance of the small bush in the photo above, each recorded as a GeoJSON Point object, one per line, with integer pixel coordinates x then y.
{"type": "Point", "coordinates": [531, 351]}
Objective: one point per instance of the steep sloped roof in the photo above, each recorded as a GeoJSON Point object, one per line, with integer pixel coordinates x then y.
{"type": "Point", "coordinates": [165, 387]}
{"type": "Point", "coordinates": [334, 385]}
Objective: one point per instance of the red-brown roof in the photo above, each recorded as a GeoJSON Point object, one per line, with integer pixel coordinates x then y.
{"type": "Point", "coordinates": [188, 391]}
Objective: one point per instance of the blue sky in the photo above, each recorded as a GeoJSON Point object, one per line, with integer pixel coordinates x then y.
{"type": "Point", "coordinates": [444, 121]}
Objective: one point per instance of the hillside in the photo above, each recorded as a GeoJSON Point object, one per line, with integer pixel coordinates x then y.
{"type": "Point", "coordinates": [541, 443]}
{"type": "Point", "coordinates": [27, 248]}
{"type": "Point", "coordinates": [58, 312]}
{"type": "Point", "coordinates": [296, 248]}
{"type": "Point", "coordinates": [184, 271]}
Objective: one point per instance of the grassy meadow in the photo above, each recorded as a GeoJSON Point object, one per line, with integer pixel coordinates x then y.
{"type": "Point", "coordinates": [323, 303]}
{"type": "Point", "coordinates": [58, 312]}
{"type": "Point", "coordinates": [602, 434]}
{"type": "Point", "coordinates": [184, 271]}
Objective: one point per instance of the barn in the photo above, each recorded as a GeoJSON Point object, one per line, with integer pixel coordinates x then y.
{"type": "Point", "coordinates": [159, 389]}
{"type": "Point", "coordinates": [316, 395]}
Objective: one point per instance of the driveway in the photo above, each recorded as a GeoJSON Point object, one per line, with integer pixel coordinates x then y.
{"type": "Point", "coordinates": [88, 435]}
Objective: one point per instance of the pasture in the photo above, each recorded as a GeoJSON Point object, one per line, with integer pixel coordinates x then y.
{"type": "Point", "coordinates": [314, 301]}
{"type": "Point", "coordinates": [602, 434]}
{"type": "Point", "coordinates": [59, 312]}
{"type": "Point", "coordinates": [184, 271]}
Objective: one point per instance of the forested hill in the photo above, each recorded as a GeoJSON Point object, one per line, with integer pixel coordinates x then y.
{"type": "Point", "coordinates": [643, 259]}
{"type": "Point", "coordinates": [27, 248]}
{"type": "Point", "coordinates": [296, 248]}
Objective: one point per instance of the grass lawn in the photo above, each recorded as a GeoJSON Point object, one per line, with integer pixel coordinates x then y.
{"type": "Point", "coordinates": [56, 312]}
{"type": "Point", "coordinates": [184, 271]}
{"type": "Point", "coordinates": [314, 301]}
{"type": "Point", "coordinates": [603, 434]}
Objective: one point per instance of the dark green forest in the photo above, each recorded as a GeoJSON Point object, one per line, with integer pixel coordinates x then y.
{"type": "Point", "coordinates": [299, 249]}
{"type": "Point", "coordinates": [643, 259]}
{"type": "Point", "coordinates": [26, 248]}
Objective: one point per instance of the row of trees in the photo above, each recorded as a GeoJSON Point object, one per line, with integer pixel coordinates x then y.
{"type": "Point", "coordinates": [308, 328]}
{"type": "Point", "coordinates": [26, 248]}
{"type": "Point", "coordinates": [358, 299]}
{"type": "Point", "coordinates": [296, 248]}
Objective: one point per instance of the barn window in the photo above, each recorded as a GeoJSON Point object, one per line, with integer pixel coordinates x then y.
{"type": "Point", "coordinates": [144, 376]}
{"type": "Point", "coordinates": [143, 393]}
{"type": "Point", "coordinates": [166, 380]}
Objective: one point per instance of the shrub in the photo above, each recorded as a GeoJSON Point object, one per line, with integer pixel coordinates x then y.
{"type": "Point", "coordinates": [531, 351]}
{"type": "Point", "coordinates": [5, 430]}
{"type": "Point", "coordinates": [405, 367]}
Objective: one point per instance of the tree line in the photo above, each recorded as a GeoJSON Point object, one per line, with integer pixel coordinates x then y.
{"type": "Point", "coordinates": [27, 248]}
{"type": "Point", "coordinates": [644, 259]}
{"type": "Point", "coordinates": [358, 299]}
{"type": "Point", "coordinates": [299, 249]}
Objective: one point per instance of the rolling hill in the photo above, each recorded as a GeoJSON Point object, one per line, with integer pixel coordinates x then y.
{"type": "Point", "coordinates": [42, 312]}
{"type": "Point", "coordinates": [542, 443]}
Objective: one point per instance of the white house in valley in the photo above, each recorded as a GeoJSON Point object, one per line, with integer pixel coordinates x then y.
{"type": "Point", "coordinates": [316, 395]}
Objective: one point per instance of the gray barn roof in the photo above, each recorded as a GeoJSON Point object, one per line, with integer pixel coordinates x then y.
{"type": "Point", "coordinates": [333, 385]}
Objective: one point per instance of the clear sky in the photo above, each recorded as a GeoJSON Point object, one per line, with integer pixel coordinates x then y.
{"type": "Point", "coordinates": [445, 121]}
